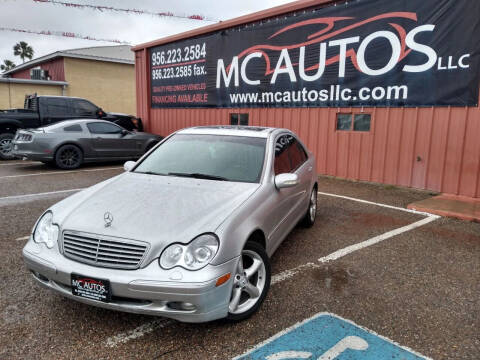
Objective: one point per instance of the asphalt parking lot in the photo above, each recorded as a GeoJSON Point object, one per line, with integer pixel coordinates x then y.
{"type": "Point", "coordinates": [411, 278]}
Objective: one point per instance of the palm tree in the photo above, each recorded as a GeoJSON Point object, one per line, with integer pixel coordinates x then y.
{"type": "Point", "coordinates": [7, 65]}
{"type": "Point", "coordinates": [23, 50]}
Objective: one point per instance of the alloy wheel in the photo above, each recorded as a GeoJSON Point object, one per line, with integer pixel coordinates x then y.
{"type": "Point", "coordinates": [6, 146]}
{"type": "Point", "coordinates": [248, 283]}
{"type": "Point", "coordinates": [69, 157]}
{"type": "Point", "coordinates": [312, 210]}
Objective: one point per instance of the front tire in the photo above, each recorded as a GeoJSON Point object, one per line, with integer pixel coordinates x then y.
{"type": "Point", "coordinates": [309, 218]}
{"type": "Point", "coordinates": [250, 282]}
{"type": "Point", "coordinates": [6, 146]}
{"type": "Point", "coordinates": [68, 157]}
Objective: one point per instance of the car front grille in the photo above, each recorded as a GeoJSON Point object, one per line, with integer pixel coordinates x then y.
{"type": "Point", "coordinates": [103, 251]}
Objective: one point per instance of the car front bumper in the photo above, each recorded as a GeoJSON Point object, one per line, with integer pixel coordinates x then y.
{"type": "Point", "coordinates": [148, 290]}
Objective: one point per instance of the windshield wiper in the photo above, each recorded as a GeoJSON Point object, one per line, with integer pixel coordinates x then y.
{"type": "Point", "coordinates": [198, 176]}
{"type": "Point", "coordinates": [150, 173]}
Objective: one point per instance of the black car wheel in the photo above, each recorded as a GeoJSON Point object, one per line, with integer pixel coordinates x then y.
{"type": "Point", "coordinates": [69, 157]}
{"type": "Point", "coordinates": [250, 283]}
{"type": "Point", "coordinates": [6, 146]}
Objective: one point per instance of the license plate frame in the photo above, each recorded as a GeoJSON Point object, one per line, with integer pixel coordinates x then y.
{"type": "Point", "coordinates": [91, 288]}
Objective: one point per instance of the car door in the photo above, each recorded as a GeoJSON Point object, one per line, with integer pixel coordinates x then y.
{"type": "Point", "coordinates": [83, 109]}
{"type": "Point", "coordinates": [303, 169]}
{"type": "Point", "coordinates": [108, 141]}
{"type": "Point", "coordinates": [284, 201]}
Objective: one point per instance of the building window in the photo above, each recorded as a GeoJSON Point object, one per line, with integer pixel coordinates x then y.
{"type": "Point", "coordinates": [361, 122]}
{"type": "Point", "coordinates": [239, 119]}
{"type": "Point", "coordinates": [353, 122]}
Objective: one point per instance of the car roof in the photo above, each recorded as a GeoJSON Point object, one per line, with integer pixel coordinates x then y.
{"type": "Point", "coordinates": [69, 122]}
{"type": "Point", "coordinates": [231, 130]}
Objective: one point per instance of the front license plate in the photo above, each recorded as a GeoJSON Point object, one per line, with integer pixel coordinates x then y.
{"type": "Point", "coordinates": [91, 288]}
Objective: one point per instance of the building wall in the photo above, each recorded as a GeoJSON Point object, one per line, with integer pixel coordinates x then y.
{"type": "Point", "coordinates": [109, 85]}
{"type": "Point", "coordinates": [436, 148]}
{"type": "Point", "coordinates": [427, 148]}
{"type": "Point", "coordinates": [13, 95]}
{"type": "Point", "coordinates": [55, 69]}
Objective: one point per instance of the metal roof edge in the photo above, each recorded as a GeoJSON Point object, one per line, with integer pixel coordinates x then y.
{"type": "Point", "coordinates": [259, 15]}
{"type": "Point", "coordinates": [31, 81]}
{"type": "Point", "coordinates": [33, 62]}
{"type": "Point", "coordinates": [97, 58]}
{"type": "Point", "coordinates": [57, 54]}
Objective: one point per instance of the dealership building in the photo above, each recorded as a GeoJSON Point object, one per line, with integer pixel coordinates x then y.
{"type": "Point", "coordinates": [381, 91]}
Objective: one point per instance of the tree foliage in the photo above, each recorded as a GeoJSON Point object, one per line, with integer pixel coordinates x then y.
{"type": "Point", "coordinates": [23, 50]}
{"type": "Point", "coordinates": [7, 65]}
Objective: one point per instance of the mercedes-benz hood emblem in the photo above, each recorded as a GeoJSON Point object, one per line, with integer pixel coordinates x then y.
{"type": "Point", "coordinates": [108, 218]}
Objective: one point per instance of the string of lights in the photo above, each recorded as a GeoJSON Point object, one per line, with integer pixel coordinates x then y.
{"type": "Point", "coordinates": [63, 34]}
{"type": "Point", "coordinates": [129, 11]}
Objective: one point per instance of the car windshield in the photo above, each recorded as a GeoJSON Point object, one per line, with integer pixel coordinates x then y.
{"type": "Point", "coordinates": [214, 157]}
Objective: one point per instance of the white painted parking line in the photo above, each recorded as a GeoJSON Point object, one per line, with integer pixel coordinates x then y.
{"type": "Point", "coordinates": [284, 275]}
{"type": "Point", "coordinates": [376, 204]}
{"type": "Point", "coordinates": [22, 238]}
{"type": "Point", "coordinates": [60, 172]}
{"type": "Point", "coordinates": [138, 332]}
{"type": "Point", "coordinates": [375, 240]}
{"type": "Point", "coordinates": [15, 197]}
{"type": "Point", "coordinates": [287, 274]}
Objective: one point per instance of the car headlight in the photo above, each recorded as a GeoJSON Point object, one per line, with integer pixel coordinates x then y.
{"type": "Point", "coordinates": [46, 232]}
{"type": "Point", "coordinates": [193, 256]}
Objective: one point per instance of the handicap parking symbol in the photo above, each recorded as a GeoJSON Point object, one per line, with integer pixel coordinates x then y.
{"type": "Point", "coordinates": [327, 336]}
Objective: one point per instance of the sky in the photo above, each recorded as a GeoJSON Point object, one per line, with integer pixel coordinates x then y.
{"type": "Point", "coordinates": [132, 28]}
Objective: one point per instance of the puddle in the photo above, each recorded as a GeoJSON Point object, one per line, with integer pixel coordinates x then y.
{"type": "Point", "coordinates": [333, 277]}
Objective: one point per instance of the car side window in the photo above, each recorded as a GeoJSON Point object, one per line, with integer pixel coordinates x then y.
{"type": "Point", "coordinates": [297, 154]}
{"type": "Point", "coordinates": [83, 108]}
{"type": "Point", "coordinates": [73, 128]}
{"type": "Point", "coordinates": [282, 160]}
{"type": "Point", "coordinates": [103, 128]}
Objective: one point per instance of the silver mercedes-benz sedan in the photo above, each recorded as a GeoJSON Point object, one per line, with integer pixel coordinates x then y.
{"type": "Point", "coordinates": [69, 144]}
{"type": "Point", "coordinates": [186, 232]}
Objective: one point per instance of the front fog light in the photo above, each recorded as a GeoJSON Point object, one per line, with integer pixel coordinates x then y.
{"type": "Point", "coordinates": [46, 232]}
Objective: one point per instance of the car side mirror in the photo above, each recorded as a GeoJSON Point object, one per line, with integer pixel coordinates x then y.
{"type": "Point", "coordinates": [286, 180]}
{"type": "Point", "coordinates": [124, 132]}
{"type": "Point", "coordinates": [100, 113]}
{"type": "Point", "coordinates": [129, 165]}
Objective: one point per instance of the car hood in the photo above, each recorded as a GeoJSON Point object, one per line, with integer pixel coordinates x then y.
{"type": "Point", "coordinates": [157, 209]}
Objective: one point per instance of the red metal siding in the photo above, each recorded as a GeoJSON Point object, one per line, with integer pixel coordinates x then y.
{"type": "Point", "coordinates": [55, 68]}
{"type": "Point", "coordinates": [142, 83]}
{"type": "Point", "coordinates": [445, 140]}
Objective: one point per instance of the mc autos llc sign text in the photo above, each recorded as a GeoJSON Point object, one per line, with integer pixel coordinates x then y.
{"type": "Point", "coordinates": [362, 53]}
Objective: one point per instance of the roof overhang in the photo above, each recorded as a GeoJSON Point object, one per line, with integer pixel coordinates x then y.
{"type": "Point", "coordinates": [32, 82]}
{"type": "Point", "coordinates": [58, 54]}
{"type": "Point", "coordinates": [260, 15]}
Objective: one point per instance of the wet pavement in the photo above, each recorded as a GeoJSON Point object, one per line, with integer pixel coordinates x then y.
{"type": "Point", "coordinates": [419, 288]}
